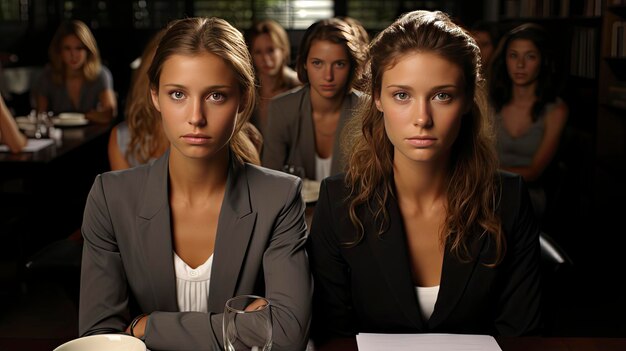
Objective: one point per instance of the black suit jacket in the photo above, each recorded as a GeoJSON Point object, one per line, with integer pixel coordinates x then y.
{"type": "Point", "coordinates": [369, 288]}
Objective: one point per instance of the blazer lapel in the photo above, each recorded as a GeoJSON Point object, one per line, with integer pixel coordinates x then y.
{"type": "Point", "coordinates": [390, 252]}
{"type": "Point", "coordinates": [454, 278]}
{"type": "Point", "coordinates": [154, 229]}
{"type": "Point", "coordinates": [307, 134]}
{"type": "Point", "coordinates": [234, 230]}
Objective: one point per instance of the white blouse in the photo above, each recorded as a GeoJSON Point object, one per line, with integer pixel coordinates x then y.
{"type": "Point", "coordinates": [322, 167]}
{"type": "Point", "coordinates": [426, 297]}
{"type": "Point", "coordinates": [192, 285]}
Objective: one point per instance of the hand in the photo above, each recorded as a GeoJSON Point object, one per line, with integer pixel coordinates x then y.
{"type": "Point", "coordinates": [256, 305]}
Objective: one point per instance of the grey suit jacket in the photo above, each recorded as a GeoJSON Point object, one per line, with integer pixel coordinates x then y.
{"type": "Point", "coordinates": [128, 257]}
{"type": "Point", "coordinates": [290, 136]}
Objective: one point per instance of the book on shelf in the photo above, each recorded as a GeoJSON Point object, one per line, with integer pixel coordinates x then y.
{"type": "Point", "coordinates": [618, 39]}
{"type": "Point", "coordinates": [617, 95]}
{"type": "Point", "coordinates": [583, 52]}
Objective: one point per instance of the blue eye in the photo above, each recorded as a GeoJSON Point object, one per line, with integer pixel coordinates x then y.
{"type": "Point", "coordinates": [443, 97]}
{"type": "Point", "coordinates": [217, 97]}
{"type": "Point", "coordinates": [177, 95]}
{"type": "Point", "coordinates": [401, 96]}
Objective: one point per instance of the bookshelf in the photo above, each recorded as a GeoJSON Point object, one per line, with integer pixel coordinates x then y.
{"type": "Point", "coordinates": [611, 124]}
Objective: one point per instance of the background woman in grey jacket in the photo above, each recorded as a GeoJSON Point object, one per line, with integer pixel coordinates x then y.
{"type": "Point", "coordinates": [305, 123]}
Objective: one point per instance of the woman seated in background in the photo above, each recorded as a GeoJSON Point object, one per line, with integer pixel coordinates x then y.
{"type": "Point", "coordinates": [271, 51]}
{"type": "Point", "coordinates": [10, 134]}
{"type": "Point", "coordinates": [200, 208]}
{"type": "Point", "coordinates": [75, 80]}
{"type": "Point", "coordinates": [486, 36]}
{"type": "Point", "coordinates": [423, 234]}
{"type": "Point", "coordinates": [529, 116]}
{"type": "Point", "coordinates": [305, 123]}
{"type": "Point", "coordinates": [140, 138]}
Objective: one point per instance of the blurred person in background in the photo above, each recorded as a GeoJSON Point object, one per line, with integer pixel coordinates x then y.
{"type": "Point", "coordinates": [305, 124]}
{"type": "Point", "coordinates": [271, 51]}
{"type": "Point", "coordinates": [529, 116]}
{"type": "Point", "coordinates": [75, 80]}
{"type": "Point", "coordinates": [10, 134]}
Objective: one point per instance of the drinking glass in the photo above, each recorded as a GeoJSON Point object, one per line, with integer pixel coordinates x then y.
{"type": "Point", "coordinates": [247, 324]}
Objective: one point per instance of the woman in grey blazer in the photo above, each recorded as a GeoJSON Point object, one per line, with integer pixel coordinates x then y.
{"type": "Point", "coordinates": [199, 203]}
{"type": "Point", "coordinates": [305, 123]}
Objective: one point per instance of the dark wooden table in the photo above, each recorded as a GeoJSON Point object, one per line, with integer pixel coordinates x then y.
{"type": "Point", "coordinates": [519, 344]}
{"type": "Point", "coordinates": [43, 192]}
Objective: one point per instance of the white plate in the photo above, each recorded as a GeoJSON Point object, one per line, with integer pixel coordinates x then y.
{"type": "Point", "coordinates": [310, 190]}
{"type": "Point", "coordinates": [71, 115]}
{"type": "Point", "coordinates": [69, 122]}
{"type": "Point", "coordinates": [104, 342]}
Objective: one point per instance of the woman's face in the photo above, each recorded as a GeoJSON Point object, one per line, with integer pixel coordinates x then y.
{"type": "Point", "coordinates": [523, 62]}
{"type": "Point", "coordinates": [485, 44]}
{"type": "Point", "coordinates": [73, 52]}
{"type": "Point", "coordinates": [199, 98]}
{"type": "Point", "coordinates": [423, 101]}
{"type": "Point", "coordinates": [328, 68]}
{"type": "Point", "coordinates": [268, 58]}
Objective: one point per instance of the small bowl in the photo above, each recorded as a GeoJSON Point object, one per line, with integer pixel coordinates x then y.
{"type": "Point", "coordinates": [104, 342]}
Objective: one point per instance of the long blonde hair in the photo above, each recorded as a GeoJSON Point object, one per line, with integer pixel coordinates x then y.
{"type": "Point", "coordinates": [192, 36]}
{"type": "Point", "coordinates": [92, 65]}
{"type": "Point", "coordinates": [472, 180]}
{"type": "Point", "coordinates": [144, 121]}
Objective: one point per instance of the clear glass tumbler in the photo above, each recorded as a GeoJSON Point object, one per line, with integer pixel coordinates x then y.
{"type": "Point", "coordinates": [247, 324]}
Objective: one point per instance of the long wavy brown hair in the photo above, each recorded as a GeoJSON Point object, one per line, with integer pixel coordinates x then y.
{"type": "Point", "coordinates": [147, 139]}
{"type": "Point", "coordinates": [472, 189]}
{"type": "Point", "coordinates": [92, 65]}
{"type": "Point", "coordinates": [192, 36]}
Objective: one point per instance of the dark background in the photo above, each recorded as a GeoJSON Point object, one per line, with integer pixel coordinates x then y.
{"type": "Point", "coordinates": [587, 209]}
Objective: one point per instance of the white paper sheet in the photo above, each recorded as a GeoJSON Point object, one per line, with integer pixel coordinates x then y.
{"type": "Point", "coordinates": [33, 145]}
{"type": "Point", "coordinates": [426, 342]}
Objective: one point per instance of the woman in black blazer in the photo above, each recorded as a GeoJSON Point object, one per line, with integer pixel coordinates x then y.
{"type": "Point", "coordinates": [199, 211]}
{"type": "Point", "coordinates": [423, 234]}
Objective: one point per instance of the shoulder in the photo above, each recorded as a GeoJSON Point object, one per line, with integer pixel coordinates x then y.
{"type": "Point", "coordinates": [334, 190]}
{"type": "Point", "coordinates": [269, 189]}
{"type": "Point", "coordinates": [291, 78]}
{"type": "Point", "coordinates": [265, 180]}
{"type": "Point", "coordinates": [558, 110]}
{"type": "Point", "coordinates": [105, 74]}
{"type": "Point", "coordinates": [290, 96]}
{"type": "Point", "coordinates": [126, 180]}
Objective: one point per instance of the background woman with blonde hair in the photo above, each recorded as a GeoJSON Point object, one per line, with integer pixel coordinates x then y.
{"type": "Point", "coordinates": [75, 80]}
{"type": "Point", "coordinates": [169, 242]}
{"type": "Point", "coordinates": [271, 51]}
{"type": "Point", "coordinates": [139, 138]}
{"type": "Point", "coordinates": [423, 234]}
